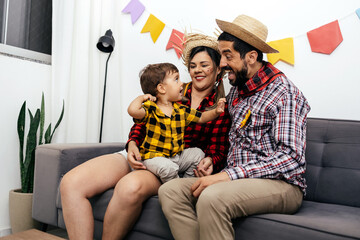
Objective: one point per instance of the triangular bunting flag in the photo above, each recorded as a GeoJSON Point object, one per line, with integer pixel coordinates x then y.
{"type": "Point", "coordinates": [135, 8]}
{"type": "Point", "coordinates": [176, 41]}
{"type": "Point", "coordinates": [326, 38]}
{"type": "Point", "coordinates": [358, 12]}
{"type": "Point", "coordinates": [286, 51]}
{"type": "Point", "coordinates": [154, 26]}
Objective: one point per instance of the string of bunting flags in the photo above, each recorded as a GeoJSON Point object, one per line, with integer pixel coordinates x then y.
{"type": "Point", "coordinates": [155, 26]}
{"type": "Point", "coordinates": [324, 39]}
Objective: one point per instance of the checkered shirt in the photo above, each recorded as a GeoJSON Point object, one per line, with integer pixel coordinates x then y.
{"type": "Point", "coordinates": [211, 137]}
{"type": "Point", "coordinates": [272, 142]}
{"type": "Point", "coordinates": [165, 135]}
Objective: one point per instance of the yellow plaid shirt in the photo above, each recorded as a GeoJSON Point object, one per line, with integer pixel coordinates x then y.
{"type": "Point", "coordinates": [165, 135]}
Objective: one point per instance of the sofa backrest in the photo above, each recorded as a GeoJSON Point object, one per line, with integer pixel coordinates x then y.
{"type": "Point", "coordinates": [333, 161]}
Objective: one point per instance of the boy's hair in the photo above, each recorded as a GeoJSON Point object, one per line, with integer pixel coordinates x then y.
{"type": "Point", "coordinates": [240, 46]}
{"type": "Point", "coordinates": [153, 74]}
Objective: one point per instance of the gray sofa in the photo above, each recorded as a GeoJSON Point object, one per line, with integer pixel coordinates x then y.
{"type": "Point", "coordinates": [331, 209]}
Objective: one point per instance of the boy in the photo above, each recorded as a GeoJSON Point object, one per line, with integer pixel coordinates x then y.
{"type": "Point", "coordinates": [163, 148]}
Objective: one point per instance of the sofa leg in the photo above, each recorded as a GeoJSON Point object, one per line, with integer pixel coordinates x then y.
{"type": "Point", "coordinates": [44, 227]}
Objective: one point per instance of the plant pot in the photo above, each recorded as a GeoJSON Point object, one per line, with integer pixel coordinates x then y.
{"type": "Point", "coordinates": [20, 210]}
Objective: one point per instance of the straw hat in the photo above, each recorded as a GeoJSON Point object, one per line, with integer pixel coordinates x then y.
{"type": "Point", "coordinates": [193, 40]}
{"type": "Point", "coordinates": [249, 30]}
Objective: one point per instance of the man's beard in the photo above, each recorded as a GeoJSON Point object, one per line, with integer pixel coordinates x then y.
{"type": "Point", "coordinates": [241, 77]}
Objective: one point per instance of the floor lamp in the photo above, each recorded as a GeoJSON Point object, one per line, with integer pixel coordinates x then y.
{"type": "Point", "coordinates": [105, 44]}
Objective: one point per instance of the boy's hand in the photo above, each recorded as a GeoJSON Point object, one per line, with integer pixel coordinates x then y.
{"type": "Point", "coordinates": [220, 108]}
{"type": "Point", "coordinates": [136, 109]}
{"type": "Point", "coordinates": [213, 113]}
{"type": "Point", "coordinates": [149, 97]}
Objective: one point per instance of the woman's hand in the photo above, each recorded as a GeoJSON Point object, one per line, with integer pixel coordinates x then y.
{"type": "Point", "coordinates": [204, 168]}
{"type": "Point", "coordinates": [134, 157]}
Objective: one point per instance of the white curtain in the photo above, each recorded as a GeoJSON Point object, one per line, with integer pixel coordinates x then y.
{"type": "Point", "coordinates": [78, 71]}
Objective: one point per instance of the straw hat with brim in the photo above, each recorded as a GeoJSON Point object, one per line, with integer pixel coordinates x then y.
{"type": "Point", "coordinates": [249, 30]}
{"type": "Point", "coordinates": [193, 40]}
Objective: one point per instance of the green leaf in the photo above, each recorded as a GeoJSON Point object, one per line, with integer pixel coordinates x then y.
{"type": "Point", "coordinates": [21, 131]}
{"type": "Point", "coordinates": [42, 119]}
{"type": "Point", "coordinates": [29, 176]}
{"type": "Point", "coordinates": [31, 115]}
{"type": "Point", "coordinates": [30, 148]}
{"type": "Point", "coordinates": [47, 134]}
{"type": "Point", "coordinates": [58, 122]}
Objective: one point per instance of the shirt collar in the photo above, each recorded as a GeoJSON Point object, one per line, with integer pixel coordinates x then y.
{"type": "Point", "coordinates": [265, 75]}
{"type": "Point", "coordinates": [205, 102]}
{"type": "Point", "coordinates": [154, 107]}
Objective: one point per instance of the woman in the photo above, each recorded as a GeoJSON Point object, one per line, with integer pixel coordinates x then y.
{"type": "Point", "coordinates": [132, 188]}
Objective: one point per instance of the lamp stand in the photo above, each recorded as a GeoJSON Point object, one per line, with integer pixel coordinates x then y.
{"type": "Point", "coordinates": [103, 101]}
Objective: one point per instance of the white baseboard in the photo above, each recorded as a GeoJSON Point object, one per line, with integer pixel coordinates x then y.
{"type": "Point", "coordinates": [5, 231]}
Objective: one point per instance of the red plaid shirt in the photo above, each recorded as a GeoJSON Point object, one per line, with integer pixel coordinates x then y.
{"type": "Point", "coordinates": [271, 144]}
{"type": "Point", "coordinates": [212, 137]}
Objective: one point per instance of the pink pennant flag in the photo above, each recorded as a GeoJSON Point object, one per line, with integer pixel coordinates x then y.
{"type": "Point", "coordinates": [326, 38]}
{"type": "Point", "coordinates": [176, 41]}
{"type": "Point", "coordinates": [135, 8]}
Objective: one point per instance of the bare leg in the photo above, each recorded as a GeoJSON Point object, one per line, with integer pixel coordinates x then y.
{"type": "Point", "coordinates": [85, 181]}
{"type": "Point", "coordinates": [126, 203]}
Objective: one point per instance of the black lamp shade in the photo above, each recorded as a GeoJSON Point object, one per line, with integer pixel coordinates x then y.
{"type": "Point", "coordinates": [106, 43]}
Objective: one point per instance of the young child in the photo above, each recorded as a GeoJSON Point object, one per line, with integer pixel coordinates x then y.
{"type": "Point", "coordinates": [163, 148]}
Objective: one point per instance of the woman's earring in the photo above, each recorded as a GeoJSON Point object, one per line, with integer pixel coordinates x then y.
{"type": "Point", "coordinates": [216, 84]}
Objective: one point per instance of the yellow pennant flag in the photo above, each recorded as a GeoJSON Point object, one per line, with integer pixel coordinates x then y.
{"type": "Point", "coordinates": [154, 26]}
{"type": "Point", "coordinates": [286, 51]}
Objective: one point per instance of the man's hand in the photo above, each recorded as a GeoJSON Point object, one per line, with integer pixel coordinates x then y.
{"type": "Point", "coordinates": [134, 157]}
{"type": "Point", "coordinates": [206, 181]}
{"type": "Point", "coordinates": [204, 168]}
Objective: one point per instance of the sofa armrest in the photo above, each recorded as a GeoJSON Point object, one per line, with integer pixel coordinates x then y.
{"type": "Point", "coordinates": [52, 161]}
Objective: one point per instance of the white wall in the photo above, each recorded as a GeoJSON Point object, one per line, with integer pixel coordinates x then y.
{"type": "Point", "coordinates": [19, 80]}
{"type": "Point", "coordinates": [330, 82]}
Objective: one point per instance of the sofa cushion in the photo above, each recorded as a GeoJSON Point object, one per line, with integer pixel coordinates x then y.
{"type": "Point", "coordinates": [152, 220]}
{"type": "Point", "coordinates": [333, 161]}
{"type": "Point", "coordinates": [312, 221]}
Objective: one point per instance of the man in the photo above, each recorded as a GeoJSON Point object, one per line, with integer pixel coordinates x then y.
{"type": "Point", "coordinates": [266, 158]}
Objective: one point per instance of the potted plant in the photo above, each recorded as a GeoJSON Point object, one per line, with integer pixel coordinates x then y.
{"type": "Point", "coordinates": [20, 200]}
